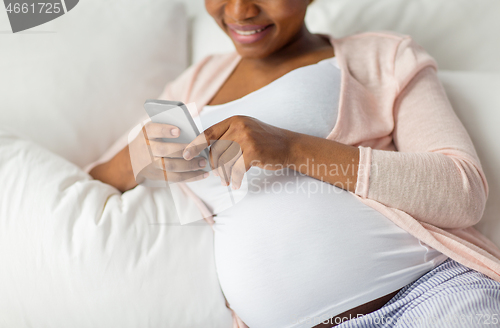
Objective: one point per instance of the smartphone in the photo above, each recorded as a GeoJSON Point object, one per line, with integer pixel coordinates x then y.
{"type": "Point", "coordinates": [175, 113]}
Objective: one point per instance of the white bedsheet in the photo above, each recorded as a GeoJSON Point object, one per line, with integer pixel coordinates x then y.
{"type": "Point", "coordinates": [76, 253]}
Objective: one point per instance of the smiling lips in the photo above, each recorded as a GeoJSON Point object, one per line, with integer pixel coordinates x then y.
{"type": "Point", "coordinates": [247, 33]}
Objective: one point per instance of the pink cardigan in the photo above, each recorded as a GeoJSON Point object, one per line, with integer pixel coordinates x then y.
{"type": "Point", "coordinates": [418, 166]}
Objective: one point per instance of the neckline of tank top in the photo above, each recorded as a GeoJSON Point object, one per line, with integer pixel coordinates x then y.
{"type": "Point", "coordinates": [332, 60]}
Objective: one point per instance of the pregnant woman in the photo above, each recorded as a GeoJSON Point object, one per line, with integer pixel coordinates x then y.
{"type": "Point", "coordinates": [355, 183]}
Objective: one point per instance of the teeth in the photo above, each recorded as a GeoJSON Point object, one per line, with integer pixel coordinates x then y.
{"type": "Point", "coordinates": [249, 32]}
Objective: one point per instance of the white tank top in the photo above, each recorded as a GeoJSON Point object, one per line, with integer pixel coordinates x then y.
{"type": "Point", "coordinates": [290, 250]}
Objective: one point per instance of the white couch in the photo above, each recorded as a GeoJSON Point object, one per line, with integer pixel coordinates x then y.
{"type": "Point", "coordinates": [74, 252]}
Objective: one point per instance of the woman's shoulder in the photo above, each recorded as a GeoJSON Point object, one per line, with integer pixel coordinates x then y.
{"type": "Point", "coordinates": [379, 39]}
{"type": "Point", "coordinates": [215, 63]}
{"type": "Point", "coordinates": [208, 65]}
{"type": "Point", "coordinates": [392, 54]}
{"type": "Point", "coordinates": [195, 76]}
{"type": "Point", "coordinates": [385, 43]}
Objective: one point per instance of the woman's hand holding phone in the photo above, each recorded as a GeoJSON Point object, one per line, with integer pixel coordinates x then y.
{"type": "Point", "coordinates": [168, 163]}
{"type": "Point", "coordinates": [240, 142]}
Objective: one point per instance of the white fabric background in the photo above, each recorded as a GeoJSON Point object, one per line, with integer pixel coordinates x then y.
{"type": "Point", "coordinates": [77, 83]}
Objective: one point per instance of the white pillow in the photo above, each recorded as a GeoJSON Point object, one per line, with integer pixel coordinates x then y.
{"type": "Point", "coordinates": [75, 253]}
{"type": "Point", "coordinates": [76, 84]}
{"type": "Point", "coordinates": [459, 34]}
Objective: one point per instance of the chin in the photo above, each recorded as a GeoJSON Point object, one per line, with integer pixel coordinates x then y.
{"type": "Point", "coordinates": [254, 54]}
{"type": "Point", "coordinates": [252, 51]}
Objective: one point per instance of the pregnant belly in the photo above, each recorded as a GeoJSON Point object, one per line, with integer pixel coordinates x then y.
{"type": "Point", "coordinates": [309, 251]}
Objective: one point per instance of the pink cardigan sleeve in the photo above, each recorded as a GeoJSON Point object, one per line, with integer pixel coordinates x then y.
{"type": "Point", "coordinates": [435, 176]}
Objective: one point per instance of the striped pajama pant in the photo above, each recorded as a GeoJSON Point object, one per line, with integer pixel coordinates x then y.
{"type": "Point", "coordinates": [450, 295]}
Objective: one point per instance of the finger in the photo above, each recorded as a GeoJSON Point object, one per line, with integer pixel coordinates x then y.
{"type": "Point", "coordinates": [151, 172]}
{"type": "Point", "coordinates": [175, 177]}
{"type": "Point", "coordinates": [208, 137]}
{"type": "Point", "coordinates": [179, 164]}
{"type": "Point", "coordinates": [197, 177]}
{"type": "Point", "coordinates": [195, 147]}
{"type": "Point", "coordinates": [159, 130]}
{"type": "Point", "coordinates": [166, 149]}
{"type": "Point", "coordinates": [226, 162]}
{"type": "Point", "coordinates": [237, 173]}
{"type": "Point", "coordinates": [216, 150]}
{"type": "Point", "coordinates": [138, 150]}
{"type": "Point", "coordinates": [214, 168]}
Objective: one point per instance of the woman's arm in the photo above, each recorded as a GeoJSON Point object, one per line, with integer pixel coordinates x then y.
{"type": "Point", "coordinates": [435, 176]}
{"type": "Point", "coordinates": [116, 172]}
{"type": "Point", "coordinates": [325, 160]}
{"type": "Point", "coordinates": [241, 142]}
{"type": "Point", "coordinates": [147, 156]}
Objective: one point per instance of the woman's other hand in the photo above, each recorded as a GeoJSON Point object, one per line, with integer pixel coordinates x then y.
{"type": "Point", "coordinates": [239, 143]}
{"type": "Point", "coordinates": [155, 159]}
{"type": "Point", "coordinates": [147, 156]}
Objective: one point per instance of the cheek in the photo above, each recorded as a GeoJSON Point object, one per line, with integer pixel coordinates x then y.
{"type": "Point", "coordinates": [288, 13]}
